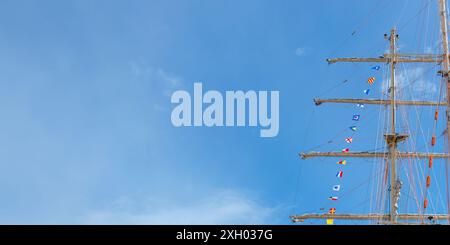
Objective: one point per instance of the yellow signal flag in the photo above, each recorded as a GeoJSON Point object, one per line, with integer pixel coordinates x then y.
{"type": "Point", "coordinates": [330, 221]}
{"type": "Point", "coordinates": [342, 162]}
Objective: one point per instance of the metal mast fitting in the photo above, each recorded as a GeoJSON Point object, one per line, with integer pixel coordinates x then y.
{"type": "Point", "coordinates": [392, 138]}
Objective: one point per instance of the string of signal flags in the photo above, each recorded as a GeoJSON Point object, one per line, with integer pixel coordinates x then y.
{"type": "Point", "coordinates": [349, 140]}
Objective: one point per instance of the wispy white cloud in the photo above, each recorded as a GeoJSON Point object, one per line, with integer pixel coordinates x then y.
{"type": "Point", "coordinates": [169, 79]}
{"type": "Point", "coordinates": [301, 51]}
{"type": "Point", "coordinates": [158, 107]}
{"type": "Point", "coordinates": [162, 81]}
{"type": "Point", "coordinates": [224, 207]}
{"type": "Point", "coordinates": [428, 50]}
{"type": "Point", "coordinates": [156, 75]}
{"type": "Point", "coordinates": [413, 80]}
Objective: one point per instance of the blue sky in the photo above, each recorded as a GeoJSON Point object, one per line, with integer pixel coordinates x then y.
{"type": "Point", "coordinates": [86, 137]}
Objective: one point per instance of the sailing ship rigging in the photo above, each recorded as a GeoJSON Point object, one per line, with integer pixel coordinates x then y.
{"type": "Point", "coordinates": [394, 136]}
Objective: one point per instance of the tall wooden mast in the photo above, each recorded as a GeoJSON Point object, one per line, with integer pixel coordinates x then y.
{"type": "Point", "coordinates": [392, 138]}
{"type": "Point", "coordinates": [445, 58]}
{"type": "Point", "coordinates": [445, 72]}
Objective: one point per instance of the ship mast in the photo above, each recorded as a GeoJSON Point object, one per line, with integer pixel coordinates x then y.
{"type": "Point", "coordinates": [445, 60]}
{"type": "Point", "coordinates": [445, 68]}
{"type": "Point", "coordinates": [392, 138]}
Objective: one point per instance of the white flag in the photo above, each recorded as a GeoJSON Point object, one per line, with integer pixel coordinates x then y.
{"type": "Point", "coordinates": [336, 188]}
